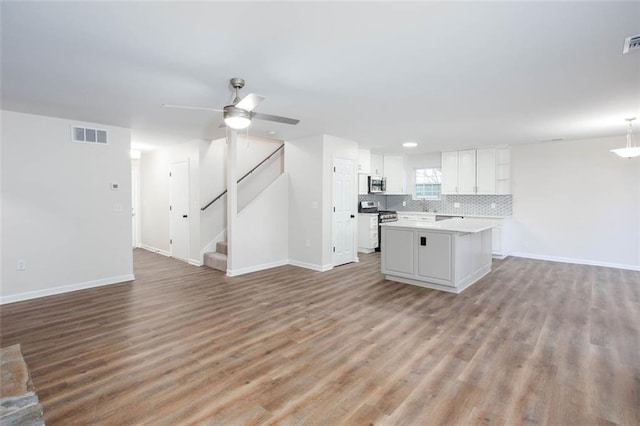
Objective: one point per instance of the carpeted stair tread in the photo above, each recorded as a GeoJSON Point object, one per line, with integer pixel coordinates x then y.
{"type": "Point", "coordinates": [216, 261]}
{"type": "Point", "coordinates": [222, 247]}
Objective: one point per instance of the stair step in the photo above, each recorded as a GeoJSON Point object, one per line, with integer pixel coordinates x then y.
{"type": "Point", "coordinates": [216, 261]}
{"type": "Point", "coordinates": [222, 247]}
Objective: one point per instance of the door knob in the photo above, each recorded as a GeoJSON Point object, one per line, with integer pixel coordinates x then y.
{"type": "Point", "coordinates": [184, 215]}
{"type": "Point", "coordinates": [352, 216]}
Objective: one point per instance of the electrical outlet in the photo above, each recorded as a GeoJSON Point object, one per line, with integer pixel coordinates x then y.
{"type": "Point", "coordinates": [456, 205]}
{"type": "Point", "coordinates": [493, 205]}
{"type": "Point", "coordinates": [21, 265]}
{"type": "Point", "coordinates": [404, 204]}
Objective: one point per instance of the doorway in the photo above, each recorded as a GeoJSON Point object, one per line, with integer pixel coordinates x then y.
{"type": "Point", "coordinates": [135, 204]}
{"type": "Point", "coordinates": [343, 215]}
{"type": "Point", "coordinates": [179, 210]}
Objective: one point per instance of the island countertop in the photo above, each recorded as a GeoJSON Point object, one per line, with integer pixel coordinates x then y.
{"type": "Point", "coordinates": [451, 225]}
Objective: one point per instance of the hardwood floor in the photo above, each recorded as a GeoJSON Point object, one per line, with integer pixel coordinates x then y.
{"type": "Point", "coordinates": [532, 343]}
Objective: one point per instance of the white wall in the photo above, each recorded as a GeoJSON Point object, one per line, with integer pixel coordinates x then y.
{"type": "Point", "coordinates": [58, 211]}
{"type": "Point", "coordinates": [251, 151]}
{"type": "Point", "coordinates": [309, 163]}
{"type": "Point", "coordinates": [303, 162]}
{"type": "Point", "coordinates": [213, 181]}
{"type": "Point", "coordinates": [154, 194]}
{"type": "Point", "coordinates": [575, 201]}
{"type": "Point", "coordinates": [261, 238]}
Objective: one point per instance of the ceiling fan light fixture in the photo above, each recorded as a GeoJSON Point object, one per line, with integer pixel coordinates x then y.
{"type": "Point", "coordinates": [632, 149]}
{"type": "Point", "coordinates": [236, 118]}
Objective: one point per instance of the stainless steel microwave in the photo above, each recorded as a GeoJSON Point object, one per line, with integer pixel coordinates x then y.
{"type": "Point", "coordinates": [377, 184]}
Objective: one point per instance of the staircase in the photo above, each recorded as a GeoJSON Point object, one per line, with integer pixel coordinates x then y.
{"type": "Point", "coordinates": [217, 259]}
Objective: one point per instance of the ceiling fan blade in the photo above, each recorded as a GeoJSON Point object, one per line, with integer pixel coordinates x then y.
{"type": "Point", "coordinates": [249, 102]}
{"type": "Point", "coordinates": [191, 107]}
{"type": "Point", "coordinates": [275, 118]}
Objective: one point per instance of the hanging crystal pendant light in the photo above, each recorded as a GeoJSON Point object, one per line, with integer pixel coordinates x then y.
{"type": "Point", "coordinates": [632, 149]}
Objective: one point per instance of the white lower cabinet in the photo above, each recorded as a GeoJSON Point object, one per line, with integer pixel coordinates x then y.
{"type": "Point", "coordinates": [442, 260]}
{"type": "Point", "coordinates": [417, 216]}
{"type": "Point", "coordinates": [500, 237]}
{"type": "Point", "coordinates": [367, 232]}
{"type": "Point", "coordinates": [434, 257]}
{"type": "Point", "coordinates": [400, 259]}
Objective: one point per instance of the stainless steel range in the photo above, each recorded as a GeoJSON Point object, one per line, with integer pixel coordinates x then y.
{"type": "Point", "coordinates": [385, 216]}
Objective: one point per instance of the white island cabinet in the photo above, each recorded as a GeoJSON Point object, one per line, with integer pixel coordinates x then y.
{"type": "Point", "coordinates": [449, 255]}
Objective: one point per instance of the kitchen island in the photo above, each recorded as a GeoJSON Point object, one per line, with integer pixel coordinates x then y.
{"type": "Point", "coordinates": [449, 255]}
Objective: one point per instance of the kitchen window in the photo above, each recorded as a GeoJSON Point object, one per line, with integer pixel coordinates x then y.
{"type": "Point", "coordinates": [428, 183]}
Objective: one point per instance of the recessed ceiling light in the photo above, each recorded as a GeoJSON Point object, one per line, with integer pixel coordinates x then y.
{"type": "Point", "coordinates": [409, 144]}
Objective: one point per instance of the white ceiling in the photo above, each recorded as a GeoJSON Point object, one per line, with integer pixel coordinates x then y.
{"type": "Point", "coordinates": [444, 74]}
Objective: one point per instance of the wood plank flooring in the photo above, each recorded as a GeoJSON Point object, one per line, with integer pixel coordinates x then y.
{"type": "Point", "coordinates": [532, 343]}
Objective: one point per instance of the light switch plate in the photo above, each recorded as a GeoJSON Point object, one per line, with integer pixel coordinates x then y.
{"type": "Point", "coordinates": [456, 205]}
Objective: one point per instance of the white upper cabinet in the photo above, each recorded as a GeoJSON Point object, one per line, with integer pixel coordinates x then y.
{"type": "Point", "coordinates": [394, 172]}
{"type": "Point", "coordinates": [467, 171]}
{"type": "Point", "coordinates": [364, 161]}
{"type": "Point", "coordinates": [363, 184]}
{"type": "Point", "coordinates": [449, 172]}
{"type": "Point", "coordinates": [482, 171]}
{"type": "Point", "coordinates": [377, 165]}
{"type": "Point", "coordinates": [486, 171]}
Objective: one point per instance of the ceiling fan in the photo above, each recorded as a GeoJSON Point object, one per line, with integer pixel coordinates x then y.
{"type": "Point", "coordinates": [239, 113]}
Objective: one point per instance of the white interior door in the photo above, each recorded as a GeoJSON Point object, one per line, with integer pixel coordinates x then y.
{"type": "Point", "coordinates": [135, 207]}
{"type": "Point", "coordinates": [179, 210]}
{"type": "Point", "coordinates": [344, 219]}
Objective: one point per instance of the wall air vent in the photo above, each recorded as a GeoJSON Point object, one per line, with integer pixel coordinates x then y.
{"type": "Point", "coordinates": [631, 44]}
{"type": "Point", "coordinates": [86, 135]}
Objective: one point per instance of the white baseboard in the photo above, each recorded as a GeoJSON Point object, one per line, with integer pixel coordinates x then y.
{"type": "Point", "coordinates": [312, 266]}
{"type": "Point", "coordinates": [155, 250]}
{"type": "Point", "coordinates": [575, 261]}
{"type": "Point", "coordinates": [65, 289]}
{"type": "Point", "coordinates": [194, 262]}
{"type": "Point", "coordinates": [247, 270]}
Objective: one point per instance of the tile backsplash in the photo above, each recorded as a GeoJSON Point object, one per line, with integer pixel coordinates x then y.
{"type": "Point", "coordinates": [469, 204]}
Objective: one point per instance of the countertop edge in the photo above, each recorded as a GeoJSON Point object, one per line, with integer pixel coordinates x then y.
{"type": "Point", "coordinates": [449, 225]}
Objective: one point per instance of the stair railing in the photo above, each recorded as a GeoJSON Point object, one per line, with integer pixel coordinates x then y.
{"type": "Point", "coordinates": [242, 178]}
